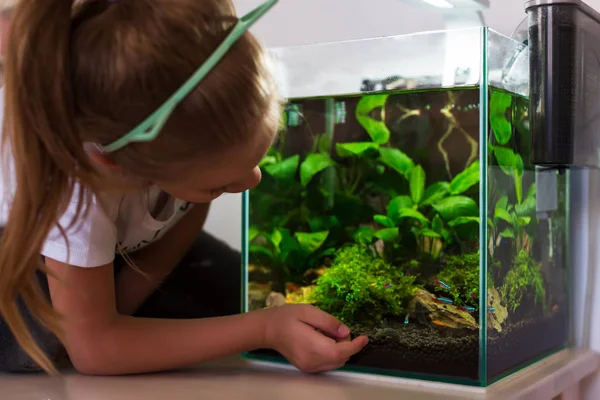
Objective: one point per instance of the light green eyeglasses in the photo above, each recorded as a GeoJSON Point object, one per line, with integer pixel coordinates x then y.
{"type": "Point", "coordinates": [149, 129]}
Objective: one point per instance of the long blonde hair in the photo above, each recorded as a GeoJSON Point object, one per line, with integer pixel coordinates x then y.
{"type": "Point", "coordinates": [90, 72]}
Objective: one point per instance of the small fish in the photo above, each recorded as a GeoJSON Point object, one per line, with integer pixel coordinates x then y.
{"type": "Point", "coordinates": [467, 309]}
{"type": "Point", "coordinates": [444, 300]}
{"type": "Point", "coordinates": [438, 323]}
{"type": "Point", "coordinates": [373, 284]}
{"type": "Point", "coordinates": [472, 294]}
{"type": "Point", "coordinates": [441, 284]}
{"type": "Point", "coordinates": [491, 308]}
{"type": "Point", "coordinates": [291, 287]}
{"type": "Point", "coordinates": [388, 285]}
{"type": "Point", "coordinates": [406, 320]}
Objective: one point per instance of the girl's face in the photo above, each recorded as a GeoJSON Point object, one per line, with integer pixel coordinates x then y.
{"type": "Point", "coordinates": [232, 172]}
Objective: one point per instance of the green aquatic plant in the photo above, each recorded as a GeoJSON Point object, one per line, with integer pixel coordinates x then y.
{"type": "Point", "coordinates": [509, 161]}
{"type": "Point", "coordinates": [295, 194]}
{"type": "Point", "coordinates": [511, 222]}
{"type": "Point", "coordinates": [289, 255]}
{"type": "Point", "coordinates": [433, 216]}
{"type": "Point", "coordinates": [361, 287]}
{"type": "Point", "coordinates": [376, 128]}
{"type": "Point", "coordinates": [523, 280]}
{"type": "Point", "coordinates": [460, 279]}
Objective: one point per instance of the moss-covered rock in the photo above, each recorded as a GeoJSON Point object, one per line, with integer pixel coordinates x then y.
{"type": "Point", "coordinates": [361, 287]}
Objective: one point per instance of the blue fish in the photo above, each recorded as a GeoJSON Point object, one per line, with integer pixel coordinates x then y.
{"type": "Point", "coordinates": [442, 284]}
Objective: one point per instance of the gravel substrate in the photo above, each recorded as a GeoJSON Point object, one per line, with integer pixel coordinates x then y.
{"type": "Point", "coordinates": [420, 349]}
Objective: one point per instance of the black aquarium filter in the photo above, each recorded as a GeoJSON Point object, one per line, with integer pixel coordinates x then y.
{"type": "Point", "coordinates": [564, 45]}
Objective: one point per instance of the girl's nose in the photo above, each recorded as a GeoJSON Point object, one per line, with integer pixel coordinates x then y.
{"type": "Point", "coordinates": [246, 183]}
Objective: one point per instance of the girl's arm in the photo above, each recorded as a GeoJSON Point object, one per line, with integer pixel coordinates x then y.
{"type": "Point", "coordinates": [101, 341]}
{"type": "Point", "coordinates": [157, 260]}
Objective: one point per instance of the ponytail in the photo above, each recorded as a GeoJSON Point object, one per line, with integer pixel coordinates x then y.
{"type": "Point", "coordinates": [49, 159]}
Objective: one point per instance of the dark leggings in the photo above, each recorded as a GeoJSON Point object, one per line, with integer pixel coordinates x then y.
{"type": "Point", "coordinates": [207, 283]}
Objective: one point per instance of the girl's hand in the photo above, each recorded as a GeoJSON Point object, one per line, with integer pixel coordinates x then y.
{"type": "Point", "coordinates": [291, 330]}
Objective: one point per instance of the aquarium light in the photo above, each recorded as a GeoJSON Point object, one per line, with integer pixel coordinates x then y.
{"type": "Point", "coordinates": [439, 3]}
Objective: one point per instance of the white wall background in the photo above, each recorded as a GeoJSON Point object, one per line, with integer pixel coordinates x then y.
{"type": "Point", "coordinates": [294, 22]}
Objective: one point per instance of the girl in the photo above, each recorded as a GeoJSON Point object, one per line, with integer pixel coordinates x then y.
{"type": "Point", "coordinates": [87, 173]}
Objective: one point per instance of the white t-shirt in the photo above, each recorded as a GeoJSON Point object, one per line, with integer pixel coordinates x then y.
{"type": "Point", "coordinates": [124, 222]}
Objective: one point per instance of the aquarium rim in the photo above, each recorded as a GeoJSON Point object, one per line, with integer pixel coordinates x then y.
{"type": "Point", "coordinates": [276, 49]}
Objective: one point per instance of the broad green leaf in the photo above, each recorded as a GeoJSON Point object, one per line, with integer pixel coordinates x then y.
{"type": "Point", "coordinates": [312, 165]}
{"type": "Point", "coordinates": [524, 221]}
{"type": "Point", "coordinates": [502, 128]}
{"type": "Point", "coordinates": [253, 233]}
{"type": "Point", "coordinates": [370, 102]}
{"type": "Point", "coordinates": [395, 205]}
{"type": "Point", "coordinates": [417, 183]}
{"type": "Point", "coordinates": [290, 247]}
{"type": "Point", "coordinates": [284, 171]}
{"type": "Point", "coordinates": [456, 206]}
{"type": "Point", "coordinates": [518, 177]}
{"type": "Point", "coordinates": [437, 224]}
{"type": "Point", "coordinates": [397, 160]}
{"type": "Point", "coordinates": [527, 207]}
{"type": "Point", "coordinates": [256, 249]}
{"type": "Point", "coordinates": [388, 234]}
{"type": "Point", "coordinates": [276, 238]}
{"type": "Point", "coordinates": [267, 160]}
{"type": "Point", "coordinates": [463, 221]}
{"type": "Point", "coordinates": [355, 149]}
{"type": "Point", "coordinates": [412, 213]}
{"type": "Point", "coordinates": [323, 144]}
{"type": "Point", "coordinates": [327, 252]}
{"type": "Point", "coordinates": [310, 242]}
{"type": "Point", "coordinates": [503, 215]}
{"type": "Point", "coordinates": [435, 193]}
{"type": "Point", "coordinates": [377, 130]}
{"type": "Point", "coordinates": [531, 192]}
{"type": "Point", "coordinates": [428, 233]}
{"type": "Point", "coordinates": [507, 233]}
{"type": "Point", "coordinates": [323, 223]}
{"type": "Point", "coordinates": [506, 159]}
{"type": "Point", "coordinates": [384, 220]}
{"type": "Point", "coordinates": [364, 235]}
{"type": "Point", "coordinates": [519, 167]}
{"type": "Point", "coordinates": [502, 203]}
{"type": "Point", "coordinates": [465, 180]}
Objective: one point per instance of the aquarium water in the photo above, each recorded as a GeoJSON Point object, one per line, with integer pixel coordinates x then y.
{"type": "Point", "coordinates": [417, 223]}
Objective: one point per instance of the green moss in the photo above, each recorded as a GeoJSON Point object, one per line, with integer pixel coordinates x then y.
{"type": "Point", "coordinates": [360, 287]}
{"type": "Point", "coordinates": [524, 279]}
{"type": "Point", "coordinates": [461, 273]}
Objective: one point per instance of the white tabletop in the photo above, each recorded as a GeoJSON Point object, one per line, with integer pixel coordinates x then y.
{"type": "Point", "coordinates": [238, 379]}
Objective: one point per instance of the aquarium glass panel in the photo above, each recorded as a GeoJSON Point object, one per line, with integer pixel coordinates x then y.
{"type": "Point", "coordinates": [527, 216]}
{"type": "Point", "coordinates": [378, 205]}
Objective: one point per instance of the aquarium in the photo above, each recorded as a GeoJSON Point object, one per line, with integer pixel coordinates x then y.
{"type": "Point", "coordinates": [400, 197]}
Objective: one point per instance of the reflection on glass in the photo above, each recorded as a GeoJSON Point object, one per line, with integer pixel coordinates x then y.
{"type": "Point", "coordinates": [526, 244]}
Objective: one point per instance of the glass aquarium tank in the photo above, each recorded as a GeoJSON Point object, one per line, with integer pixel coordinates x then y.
{"type": "Point", "coordinates": [399, 197]}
